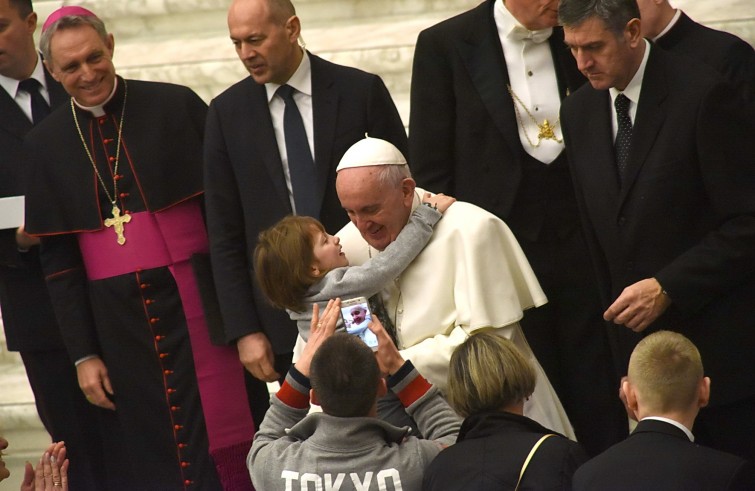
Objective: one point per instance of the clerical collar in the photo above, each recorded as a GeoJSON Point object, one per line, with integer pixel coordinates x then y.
{"type": "Point", "coordinates": [671, 24]}
{"type": "Point", "coordinates": [301, 80]}
{"type": "Point", "coordinates": [99, 110]}
{"type": "Point", "coordinates": [11, 84]}
{"type": "Point", "coordinates": [514, 30]}
{"type": "Point", "coordinates": [674, 423]}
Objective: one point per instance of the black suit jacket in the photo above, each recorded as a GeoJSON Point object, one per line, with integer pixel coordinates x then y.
{"type": "Point", "coordinates": [246, 189]}
{"type": "Point", "coordinates": [731, 56]}
{"type": "Point", "coordinates": [659, 456]}
{"type": "Point", "coordinates": [463, 135]}
{"type": "Point", "coordinates": [28, 317]}
{"type": "Point", "coordinates": [684, 215]}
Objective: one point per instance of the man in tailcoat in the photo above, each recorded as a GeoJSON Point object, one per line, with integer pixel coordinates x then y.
{"type": "Point", "coordinates": [484, 127]}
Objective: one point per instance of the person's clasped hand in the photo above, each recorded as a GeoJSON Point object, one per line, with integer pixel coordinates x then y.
{"type": "Point", "coordinates": [51, 473]}
{"type": "Point", "coordinates": [439, 201]}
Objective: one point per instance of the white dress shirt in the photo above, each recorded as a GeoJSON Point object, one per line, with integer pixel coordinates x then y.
{"type": "Point", "coordinates": [632, 92]}
{"type": "Point", "coordinates": [301, 80]}
{"type": "Point", "coordinates": [532, 78]}
{"type": "Point", "coordinates": [22, 98]}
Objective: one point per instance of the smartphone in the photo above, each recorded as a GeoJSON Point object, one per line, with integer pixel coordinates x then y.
{"type": "Point", "coordinates": [356, 315]}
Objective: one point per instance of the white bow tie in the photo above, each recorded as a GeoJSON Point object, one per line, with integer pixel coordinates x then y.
{"type": "Point", "coordinates": [520, 33]}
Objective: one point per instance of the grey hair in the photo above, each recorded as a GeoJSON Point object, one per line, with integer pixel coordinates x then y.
{"type": "Point", "coordinates": [615, 14]}
{"type": "Point", "coordinates": [392, 175]}
{"type": "Point", "coordinates": [68, 22]}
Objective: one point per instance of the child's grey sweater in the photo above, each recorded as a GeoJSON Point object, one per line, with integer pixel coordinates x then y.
{"type": "Point", "coordinates": [371, 277]}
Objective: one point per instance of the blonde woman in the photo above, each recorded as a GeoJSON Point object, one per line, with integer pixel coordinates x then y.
{"type": "Point", "coordinates": [488, 383]}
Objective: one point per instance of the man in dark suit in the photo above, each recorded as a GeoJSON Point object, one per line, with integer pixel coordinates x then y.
{"type": "Point", "coordinates": [674, 31]}
{"type": "Point", "coordinates": [251, 179]}
{"type": "Point", "coordinates": [484, 127]}
{"type": "Point", "coordinates": [28, 318]}
{"type": "Point", "coordinates": [669, 208]}
{"type": "Point", "coordinates": [664, 390]}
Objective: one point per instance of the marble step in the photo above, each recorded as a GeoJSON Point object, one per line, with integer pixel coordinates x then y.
{"type": "Point", "coordinates": [19, 423]}
{"type": "Point", "coordinates": [142, 18]}
{"type": "Point", "coordinates": [209, 63]}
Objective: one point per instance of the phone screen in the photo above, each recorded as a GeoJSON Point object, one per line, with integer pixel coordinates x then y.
{"type": "Point", "coordinates": [356, 315]}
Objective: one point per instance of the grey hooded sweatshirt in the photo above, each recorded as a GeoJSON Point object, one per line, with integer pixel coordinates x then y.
{"type": "Point", "coordinates": [325, 452]}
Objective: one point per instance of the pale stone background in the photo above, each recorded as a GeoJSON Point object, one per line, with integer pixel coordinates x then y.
{"type": "Point", "coordinates": [186, 42]}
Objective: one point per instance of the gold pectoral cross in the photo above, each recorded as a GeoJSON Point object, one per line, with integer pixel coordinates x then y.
{"type": "Point", "coordinates": [117, 222]}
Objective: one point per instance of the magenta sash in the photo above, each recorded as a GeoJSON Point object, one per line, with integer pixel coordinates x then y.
{"type": "Point", "coordinates": [169, 238]}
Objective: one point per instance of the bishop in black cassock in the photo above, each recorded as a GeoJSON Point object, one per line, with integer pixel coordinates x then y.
{"type": "Point", "coordinates": [123, 290]}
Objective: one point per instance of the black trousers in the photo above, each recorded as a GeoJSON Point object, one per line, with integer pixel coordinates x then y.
{"type": "Point", "coordinates": [568, 336]}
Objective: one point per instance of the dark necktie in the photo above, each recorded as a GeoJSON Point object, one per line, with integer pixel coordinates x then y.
{"type": "Point", "coordinates": [300, 164]}
{"type": "Point", "coordinates": [624, 134]}
{"type": "Point", "coordinates": [39, 106]}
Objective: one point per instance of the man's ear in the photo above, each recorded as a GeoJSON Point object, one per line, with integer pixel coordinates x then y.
{"type": "Point", "coordinates": [293, 28]}
{"type": "Point", "coordinates": [31, 22]}
{"type": "Point", "coordinates": [703, 394]}
{"type": "Point", "coordinates": [633, 32]}
{"type": "Point", "coordinates": [313, 397]}
{"type": "Point", "coordinates": [48, 65]}
{"type": "Point", "coordinates": [407, 191]}
{"type": "Point", "coordinates": [630, 395]}
{"type": "Point", "coordinates": [110, 44]}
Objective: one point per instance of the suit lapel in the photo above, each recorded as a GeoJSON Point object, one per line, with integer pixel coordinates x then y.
{"type": "Point", "coordinates": [648, 120]}
{"type": "Point", "coordinates": [259, 137]}
{"type": "Point", "coordinates": [14, 121]}
{"type": "Point", "coordinates": [324, 118]}
{"type": "Point", "coordinates": [597, 168]}
{"type": "Point", "coordinates": [482, 55]}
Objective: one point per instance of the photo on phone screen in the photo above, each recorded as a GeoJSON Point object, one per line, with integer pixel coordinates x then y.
{"type": "Point", "coordinates": [356, 315]}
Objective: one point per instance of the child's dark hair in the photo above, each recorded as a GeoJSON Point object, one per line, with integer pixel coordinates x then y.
{"type": "Point", "coordinates": [282, 261]}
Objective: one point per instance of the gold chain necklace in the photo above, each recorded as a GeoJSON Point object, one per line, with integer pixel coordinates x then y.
{"type": "Point", "coordinates": [118, 221]}
{"type": "Point", "coordinates": [547, 131]}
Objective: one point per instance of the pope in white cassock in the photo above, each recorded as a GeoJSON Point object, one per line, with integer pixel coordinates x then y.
{"type": "Point", "coordinates": [472, 275]}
